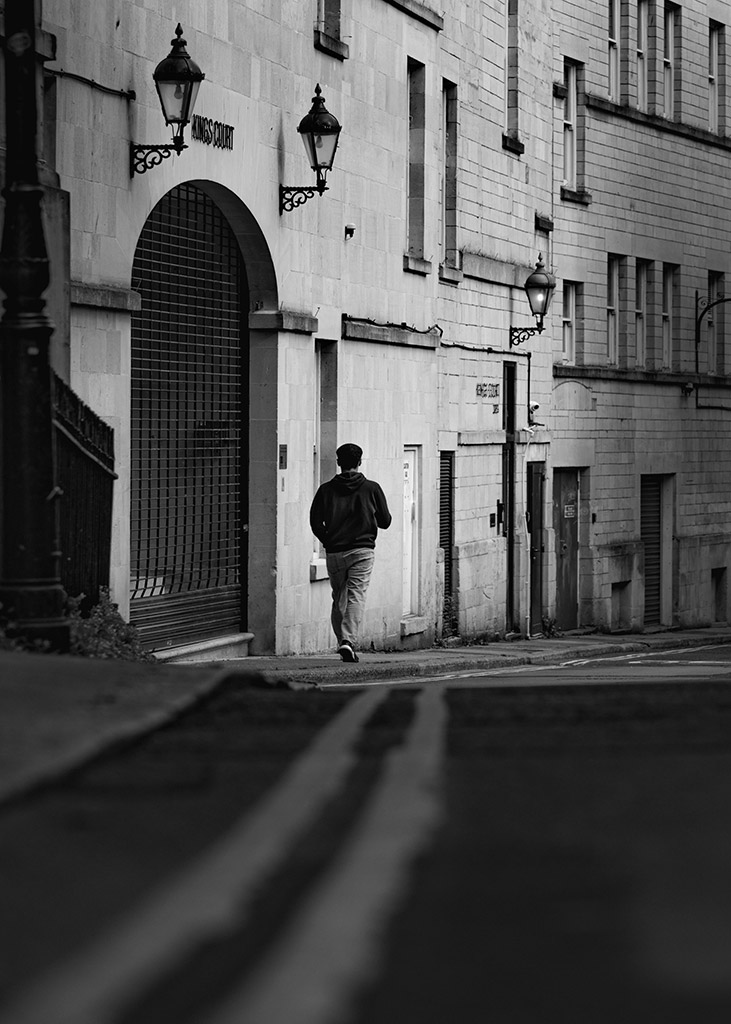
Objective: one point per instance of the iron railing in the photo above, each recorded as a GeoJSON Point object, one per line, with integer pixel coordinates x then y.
{"type": "Point", "coordinates": [85, 475]}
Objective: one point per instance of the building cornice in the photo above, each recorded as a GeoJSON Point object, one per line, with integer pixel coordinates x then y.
{"type": "Point", "coordinates": [660, 124]}
{"type": "Point", "coordinates": [635, 375]}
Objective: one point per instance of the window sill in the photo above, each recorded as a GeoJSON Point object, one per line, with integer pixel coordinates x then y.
{"type": "Point", "coordinates": [412, 624]}
{"type": "Point", "coordinates": [449, 275]}
{"type": "Point", "coordinates": [416, 265]}
{"type": "Point", "coordinates": [513, 144]}
{"type": "Point", "coordinates": [580, 196]}
{"type": "Point", "coordinates": [420, 11]}
{"type": "Point", "coordinates": [330, 45]}
{"type": "Point", "coordinates": [318, 570]}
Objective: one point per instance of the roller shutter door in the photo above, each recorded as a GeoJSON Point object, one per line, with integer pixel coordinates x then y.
{"type": "Point", "coordinates": [446, 518]}
{"type": "Point", "coordinates": [651, 535]}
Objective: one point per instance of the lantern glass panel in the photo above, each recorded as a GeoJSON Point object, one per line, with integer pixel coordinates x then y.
{"type": "Point", "coordinates": [320, 149]}
{"type": "Point", "coordinates": [178, 100]}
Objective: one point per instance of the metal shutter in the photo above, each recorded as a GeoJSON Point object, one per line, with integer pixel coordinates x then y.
{"type": "Point", "coordinates": [446, 517]}
{"type": "Point", "coordinates": [187, 424]}
{"type": "Point", "coordinates": [651, 535]}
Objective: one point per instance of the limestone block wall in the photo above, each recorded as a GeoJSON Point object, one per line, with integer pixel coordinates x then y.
{"type": "Point", "coordinates": [387, 401]}
{"type": "Point", "coordinates": [658, 196]}
{"type": "Point", "coordinates": [261, 65]}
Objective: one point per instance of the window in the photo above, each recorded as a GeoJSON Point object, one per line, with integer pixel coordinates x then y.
{"type": "Point", "coordinates": [570, 126]}
{"type": "Point", "coordinates": [613, 45]}
{"type": "Point", "coordinates": [641, 276]}
{"type": "Point", "coordinates": [416, 75]}
{"type": "Point", "coordinates": [574, 132]}
{"type": "Point", "coordinates": [568, 350]}
{"type": "Point", "coordinates": [642, 54]}
{"type": "Point", "coordinates": [448, 182]}
{"type": "Point", "coordinates": [715, 91]}
{"type": "Point", "coordinates": [669, 284]}
{"type": "Point", "coordinates": [511, 71]}
{"type": "Point", "coordinates": [327, 29]}
{"type": "Point", "coordinates": [671, 62]}
{"type": "Point", "coordinates": [613, 309]}
{"type": "Point", "coordinates": [325, 418]}
{"type": "Point", "coordinates": [715, 321]}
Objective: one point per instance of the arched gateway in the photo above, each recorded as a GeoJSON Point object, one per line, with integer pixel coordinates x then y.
{"type": "Point", "coordinates": [189, 430]}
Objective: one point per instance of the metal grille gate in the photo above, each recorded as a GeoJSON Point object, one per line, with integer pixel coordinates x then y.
{"type": "Point", "coordinates": [651, 536]}
{"type": "Point", "coordinates": [446, 518]}
{"type": "Point", "coordinates": [188, 418]}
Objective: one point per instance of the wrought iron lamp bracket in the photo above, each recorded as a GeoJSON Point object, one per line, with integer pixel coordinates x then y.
{"type": "Point", "coordinates": [292, 196]}
{"type": "Point", "coordinates": [520, 334]}
{"type": "Point", "coordinates": [144, 158]}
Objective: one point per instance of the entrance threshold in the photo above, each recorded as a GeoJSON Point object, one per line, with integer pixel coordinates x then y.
{"type": "Point", "coordinates": [220, 648]}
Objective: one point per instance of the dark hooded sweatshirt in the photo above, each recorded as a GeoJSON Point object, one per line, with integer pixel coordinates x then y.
{"type": "Point", "coordinates": [347, 511]}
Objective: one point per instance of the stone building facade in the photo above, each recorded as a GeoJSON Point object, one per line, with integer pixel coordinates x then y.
{"type": "Point", "coordinates": [641, 409]}
{"type": "Point", "coordinates": [233, 346]}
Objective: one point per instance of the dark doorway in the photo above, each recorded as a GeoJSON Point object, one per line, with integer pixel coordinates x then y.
{"type": "Point", "coordinates": [536, 524]}
{"type": "Point", "coordinates": [507, 509]}
{"type": "Point", "coordinates": [566, 531]}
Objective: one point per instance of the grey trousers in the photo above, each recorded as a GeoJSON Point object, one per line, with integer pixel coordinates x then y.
{"type": "Point", "coordinates": [350, 574]}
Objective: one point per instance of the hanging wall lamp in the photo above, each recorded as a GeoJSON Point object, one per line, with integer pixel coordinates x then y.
{"type": "Point", "coordinates": [320, 132]}
{"type": "Point", "coordinates": [539, 288]}
{"type": "Point", "coordinates": [177, 80]}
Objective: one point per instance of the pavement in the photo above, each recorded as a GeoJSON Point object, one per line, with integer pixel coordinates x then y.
{"type": "Point", "coordinates": [59, 712]}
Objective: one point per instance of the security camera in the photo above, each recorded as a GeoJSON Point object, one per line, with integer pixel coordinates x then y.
{"type": "Point", "coordinates": [349, 230]}
{"type": "Point", "coordinates": [534, 406]}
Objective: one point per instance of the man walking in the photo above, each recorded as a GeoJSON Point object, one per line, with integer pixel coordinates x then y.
{"type": "Point", "coordinates": [345, 516]}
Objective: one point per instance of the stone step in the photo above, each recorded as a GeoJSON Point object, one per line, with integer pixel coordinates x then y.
{"type": "Point", "coordinates": [221, 648]}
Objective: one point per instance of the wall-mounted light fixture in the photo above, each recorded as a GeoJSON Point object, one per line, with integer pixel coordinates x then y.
{"type": "Point", "coordinates": [539, 288]}
{"type": "Point", "coordinates": [320, 132]}
{"type": "Point", "coordinates": [177, 80]}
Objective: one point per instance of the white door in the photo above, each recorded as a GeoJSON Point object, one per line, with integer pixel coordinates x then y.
{"type": "Point", "coordinates": [410, 533]}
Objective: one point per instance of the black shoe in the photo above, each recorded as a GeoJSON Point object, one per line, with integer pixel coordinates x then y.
{"type": "Point", "coordinates": [346, 652]}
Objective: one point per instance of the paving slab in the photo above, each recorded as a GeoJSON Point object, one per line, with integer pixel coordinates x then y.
{"type": "Point", "coordinates": [383, 665]}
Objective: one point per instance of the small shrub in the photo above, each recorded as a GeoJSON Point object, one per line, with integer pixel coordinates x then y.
{"type": "Point", "coordinates": [450, 622]}
{"type": "Point", "coordinates": [103, 633]}
{"type": "Point", "coordinates": [8, 642]}
{"type": "Point", "coordinates": [549, 627]}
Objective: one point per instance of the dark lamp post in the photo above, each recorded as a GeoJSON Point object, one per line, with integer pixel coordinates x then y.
{"type": "Point", "coordinates": [31, 594]}
{"type": "Point", "coordinates": [539, 287]}
{"type": "Point", "coordinates": [177, 80]}
{"type": "Point", "coordinates": [320, 131]}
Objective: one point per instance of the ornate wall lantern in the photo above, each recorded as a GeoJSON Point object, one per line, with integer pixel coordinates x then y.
{"type": "Point", "coordinates": [177, 80]}
{"type": "Point", "coordinates": [320, 131]}
{"type": "Point", "coordinates": [539, 287]}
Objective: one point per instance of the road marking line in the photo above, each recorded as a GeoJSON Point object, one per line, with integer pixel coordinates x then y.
{"type": "Point", "coordinates": [442, 677]}
{"type": "Point", "coordinates": [205, 898]}
{"type": "Point", "coordinates": [333, 944]}
{"type": "Point", "coordinates": [641, 655]}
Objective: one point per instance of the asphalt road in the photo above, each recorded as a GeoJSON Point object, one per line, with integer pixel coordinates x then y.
{"type": "Point", "coordinates": [544, 843]}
